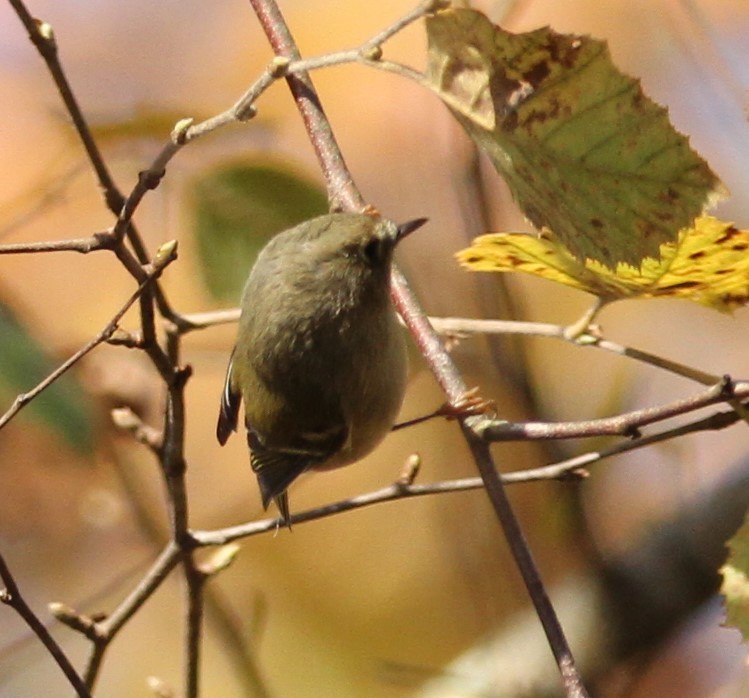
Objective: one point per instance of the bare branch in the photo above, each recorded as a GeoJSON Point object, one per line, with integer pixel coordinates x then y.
{"type": "Point", "coordinates": [98, 241]}
{"type": "Point", "coordinates": [199, 321]}
{"type": "Point", "coordinates": [468, 326]}
{"type": "Point", "coordinates": [22, 400]}
{"type": "Point", "coordinates": [571, 468]}
{"type": "Point", "coordinates": [626, 424]}
{"type": "Point", "coordinates": [42, 36]}
{"type": "Point", "coordinates": [104, 631]}
{"type": "Point", "coordinates": [11, 596]}
{"type": "Point", "coordinates": [174, 469]}
{"type": "Point", "coordinates": [168, 445]}
{"type": "Point", "coordinates": [124, 418]}
{"type": "Point", "coordinates": [342, 191]}
{"type": "Point", "coordinates": [713, 422]}
{"type": "Point", "coordinates": [389, 493]}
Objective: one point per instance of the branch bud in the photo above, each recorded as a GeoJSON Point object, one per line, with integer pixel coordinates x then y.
{"type": "Point", "coordinates": [372, 53]}
{"type": "Point", "coordinates": [166, 254]}
{"type": "Point", "coordinates": [220, 559]}
{"type": "Point", "coordinates": [409, 471]}
{"type": "Point", "coordinates": [46, 32]}
{"type": "Point", "coordinates": [279, 66]}
{"type": "Point", "coordinates": [179, 132]}
{"type": "Point", "coordinates": [70, 617]}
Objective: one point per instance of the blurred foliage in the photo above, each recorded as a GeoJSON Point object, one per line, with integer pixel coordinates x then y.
{"type": "Point", "coordinates": [63, 406]}
{"type": "Point", "coordinates": [584, 151]}
{"type": "Point", "coordinates": [708, 265]}
{"type": "Point", "coordinates": [143, 122]}
{"type": "Point", "coordinates": [238, 208]}
{"type": "Point", "coordinates": [735, 586]}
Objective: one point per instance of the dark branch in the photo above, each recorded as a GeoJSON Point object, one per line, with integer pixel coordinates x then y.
{"type": "Point", "coordinates": [11, 596]}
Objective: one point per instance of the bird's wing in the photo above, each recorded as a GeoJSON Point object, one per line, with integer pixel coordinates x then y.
{"type": "Point", "coordinates": [277, 467]}
{"type": "Point", "coordinates": [228, 415]}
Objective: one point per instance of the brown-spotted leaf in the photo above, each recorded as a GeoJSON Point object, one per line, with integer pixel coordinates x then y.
{"type": "Point", "coordinates": [584, 151]}
{"type": "Point", "coordinates": [708, 264]}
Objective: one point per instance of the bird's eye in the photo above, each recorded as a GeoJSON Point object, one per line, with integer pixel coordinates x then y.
{"type": "Point", "coordinates": [373, 251]}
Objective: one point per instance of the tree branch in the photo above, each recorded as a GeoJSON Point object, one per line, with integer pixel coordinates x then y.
{"type": "Point", "coordinates": [151, 274]}
{"type": "Point", "coordinates": [468, 326]}
{"type": "Point", "coordinates": [97, 241]}
{"type": "Point", "coordinates": [11, 596]}
{"type": "Point", "coordinates": [42, 36]}
{"type": "Point", "coordinates": [626, 424]}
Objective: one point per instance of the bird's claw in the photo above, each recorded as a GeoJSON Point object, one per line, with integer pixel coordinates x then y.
{"type": "Point", "coordinates": [471, 403]}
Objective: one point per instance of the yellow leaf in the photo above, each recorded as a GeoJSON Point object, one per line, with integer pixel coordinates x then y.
{"type": "Point", "coordinates": [709, 264]}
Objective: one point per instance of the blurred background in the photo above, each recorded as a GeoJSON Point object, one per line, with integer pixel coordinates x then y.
{"type": "Point", "coordinates": [417, 597]}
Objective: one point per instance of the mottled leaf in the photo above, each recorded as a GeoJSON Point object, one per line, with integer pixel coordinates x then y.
{"type": "Point", "coordinates": [584, 151]}
{"type": "Point", "coordinates": [238, 208]}
{"type": "Point", "coordinates": [735, 586]}
{"type": "Point", "coordinates": [709, 264]}
{"type": "Point", "coordinates": [63, 406]}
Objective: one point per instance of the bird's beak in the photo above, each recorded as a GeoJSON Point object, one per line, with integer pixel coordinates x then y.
{"type": "Point", "coordinates": [405, 229]}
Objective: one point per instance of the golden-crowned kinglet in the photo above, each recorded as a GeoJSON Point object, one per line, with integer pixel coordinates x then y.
{"type": "Point", "coordinates": [320, 359]}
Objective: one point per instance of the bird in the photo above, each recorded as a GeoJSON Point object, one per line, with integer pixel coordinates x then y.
{"type": "Point", "coordinates": [320, 359]}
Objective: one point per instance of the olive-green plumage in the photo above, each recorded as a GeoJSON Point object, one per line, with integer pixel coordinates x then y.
{"type": "Point", "coordinates": [320, 360]}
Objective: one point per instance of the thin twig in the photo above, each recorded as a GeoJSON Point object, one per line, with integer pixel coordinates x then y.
{"type": "Point", "coordinates": [389, 493]}
{"type": "Point", "coordinates": [164, 564]}
{"type": "Point", "coordinates": [356, 55]}
{"type": "Point", "coordinates": [193, 626]}
{"type": "Point", "coordinates": [104, 631]}
{"type": "Point", "coordinates": [422, 9]}
{"type": "Point", "coordinates": [97, 241]}
{"type": "Point", "coordinates": [199, 321]}
{"type": "Point", "coordinates": [124, 418]}
{"type": "Point", "coordinates": [713, 422]}
{"type": "Point", "coordinates": [23, 399]}
{"type": "Point", "coordinates": [43, 38]}
{"type": "Point", "coordinates": [469, 326]}
{"type": "Point", "coordinates": [563, 470]}
{"type": "Point", "coordinates": [11, 596]}
{"type": "Point", "coordinates": [521, 552]}
{"type": "Point", "coordinates": [174, 469]}
{"type": "Point", "coordinates": [342, 191]}
{"type": "Point", "coordinates": [626, 424]}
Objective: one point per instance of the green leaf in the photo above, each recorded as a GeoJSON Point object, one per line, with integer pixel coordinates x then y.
{"type": "Point", "coordinates": [63, 406]}
{"type": "Point", "coordinates": [238, 208]}
{"type": "Point", "coordinates": [735, 586]}
{"type": "Point", "coordinates": [586, 154]}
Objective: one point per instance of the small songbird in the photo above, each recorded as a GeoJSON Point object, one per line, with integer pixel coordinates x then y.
{"type": "Point", "coordinates": [320, 359]}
